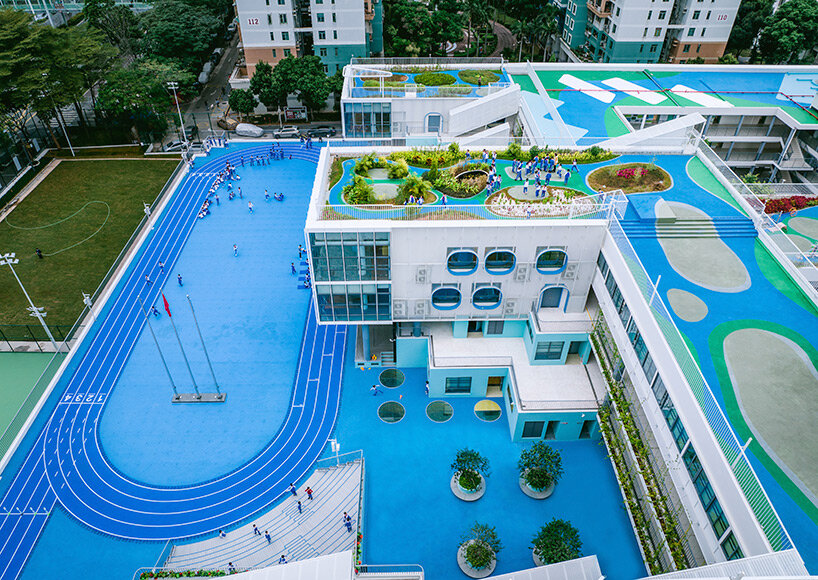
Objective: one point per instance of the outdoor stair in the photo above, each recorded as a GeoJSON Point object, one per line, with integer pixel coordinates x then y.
{"type": "Point", "coordinates": [724, 227]}
{"type": "Point", "coordinates": [317, 531]}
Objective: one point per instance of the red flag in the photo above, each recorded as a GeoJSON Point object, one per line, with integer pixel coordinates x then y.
{"type": "Point", "coordinates": [167, 306]}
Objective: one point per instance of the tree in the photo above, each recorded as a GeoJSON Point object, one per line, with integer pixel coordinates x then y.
{"type": "Point", "coordinates": [242, 101]}
{"type": "Point", "coordinates": [697, 60]}
{"type": "Point", "coordinates": [557, 541]}
{"type": "Point", "coordinates": [336, 85]}
{"type": "Point", "coordinates": [268, 87]}
{"type": "Point", "coordinates": [520, 32]}
{"type": "Point", "coordinates": [312, 84]}
{"type": "Point", "coordinates": [119, 24]}
{"type": "Point", "coordinates": [406, 25]}
{"type": "Point", "coordinates": [792, 29]}
{"type": "Point", "coordinates": [177, 30]}
{"type": "Point", "coordinates": [749, 20]}
{"type": "Point", "coordinates": [476, 12]}
{"type": "Point", "coordinates": [728, 58]}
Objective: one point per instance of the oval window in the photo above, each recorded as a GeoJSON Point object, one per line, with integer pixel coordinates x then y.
{"type": "Point", "coordinates": [487, 298]}
{"type": "Point", "coordinates": [551, 261]}
{"type": "Point", "coordinates": [500, 262]}
{"type": "Point", "coordinates": [446, 298]}
{"type": "Point", "coordinates": [462, 262]}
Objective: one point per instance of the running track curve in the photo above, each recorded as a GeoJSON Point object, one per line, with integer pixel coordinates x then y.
{"type": "Point", "coordinates": [67, 465]}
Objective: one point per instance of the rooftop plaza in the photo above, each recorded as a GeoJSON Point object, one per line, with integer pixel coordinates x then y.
{"type": "Point", "coordinates": [447, 346]}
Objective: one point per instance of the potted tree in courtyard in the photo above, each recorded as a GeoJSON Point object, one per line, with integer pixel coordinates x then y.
{"type": "Point", "coordinates": [470, 470]}
{"type": "Point", "coordinates": [556, 541]}
{"type": "Point", "coordinates": [477, 554]}
{"type": "Point", "coordinates": [540, 470]}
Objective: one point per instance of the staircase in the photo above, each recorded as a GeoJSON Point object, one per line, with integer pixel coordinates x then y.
{"type": "Point", "coordinates": [724, 227]}
{"type": "Point", "coordinates": [316, 531]}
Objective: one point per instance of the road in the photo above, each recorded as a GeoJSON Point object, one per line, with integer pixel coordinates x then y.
{"type": "Point", "coordinates": [504, 38]}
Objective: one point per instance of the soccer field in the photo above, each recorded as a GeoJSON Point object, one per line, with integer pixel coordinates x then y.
{"type": "Point", "coordinates": [79, 216]}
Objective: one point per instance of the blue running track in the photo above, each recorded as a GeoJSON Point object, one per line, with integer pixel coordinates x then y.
{"type": "Point", "coordinates": [66, 464]}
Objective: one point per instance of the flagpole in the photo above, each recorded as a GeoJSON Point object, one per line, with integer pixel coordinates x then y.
{"type": "Point", "coordinates": [165, 364]}
{"type": "Point", "coordinates": [204, 348]}
{"type": "Point", "coordinates": [179, 340]}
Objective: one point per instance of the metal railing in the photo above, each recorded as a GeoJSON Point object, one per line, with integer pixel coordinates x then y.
{"type": "Point", "coordinates": [443, 62]}
{"type": "Point", "coordinates": [32, 333]}
{"type": "Point", "coordinates": [458, 212]}
{"type": "Point", "coordinates": [391, 570]}
{"type": "Point", "coordinates": [728, 441]}
{"type": "Point", "coordinates": [425, 91]}
{"type": "Point", "coordinates": [336, 460]}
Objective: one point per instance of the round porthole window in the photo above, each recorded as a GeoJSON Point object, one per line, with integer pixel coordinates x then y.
{"type": "Point", "coordinates": [462, 262]}
{"type": "Point", "coordinates": [391, 378]}
{"type": "Point", "coordinates": [446, 298]}
{"type": "Point", "coordinates": [391, 412]}
{"type": "Point", "coordinates": [500, 262]}
{"type": "Point", "coordinates": [551, 262]}
{"type": "Point", "coordinates": [487, 410]}
{"type": "Point", "coordinates": [487, 298]}
{"type": "Point", "coordinates": [439, 411]}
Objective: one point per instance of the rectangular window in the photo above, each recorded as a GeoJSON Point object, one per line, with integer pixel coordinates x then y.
{"type": "Point", "coordinates": [281, 2]}
{"type": "Point", "coordinates": [270, 22]}
{"type": "Point", "coordinates": [551, 430]}
{"type": "Point", "coordinates": [533, 429]}
{"type": "Point", "coordinates": [657, 32]}
{"type": "Point", "coordinates": [703, 31]}
{"type": "Point", "coordinates": [691, 31]}
{"type": "Point", "coordinates": [267, 2]}
{"type": "Point", "coordinates": [662, 14]}
{"type": "Point", "coordinates": [698, 47]}
{"type": "Point", "coordinates": [686, 48]}
{"type": "Point", "coordinates": [709, 12]}
{"type": "Point", "coordinates": [336, 51]}
{"type": "Point", "coordinates": [617, 11]}
{"type": "Point", "coordinates": [322, 52]}
{"type": "Point", "coordinates": [320, 16]}
{"type": "Point", "coordinates": [645, 33]}
{"type": "Point", "coordinates": [274, 53]}
{"type": "Point", "coordinates": [322, 35]}
{"type": "Point", "coordinates": [653, 48]}
{"type": "Point", "coordinates": [282, 19]}
{"type": "Point", "coordinates": [613, 29]}
{"type": "Point", "coordinates": [732, 551]}
{"type": "Point", "coordinates": [549, 350]}
{"type": "Point", "coordinates": [458, 385]}
{"type": "Point", "coordinates": [333, 17]}
{"type": "Point", "coordinates": [288, 52]}
{"type": "Point", "coordinates": [650, 14]}
{"type": "Point", "coordinates": [285, 36]}
{"type": "Point", "coordinates": [641, 48]}
{"type": "Point", "coordinates": [319, 1]}
{"type": "Point", "coordinates": [696, 14]}
{"type": "Point", "coordinates": [495, 327]}
{"type": "Point", "coordinates": [335, 35]}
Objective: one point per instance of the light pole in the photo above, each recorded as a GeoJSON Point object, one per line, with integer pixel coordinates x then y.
{"type": "Point", "coordinates": [9, 260]}
{"type": "Point", "coordinates": [204, 348]}
{"type": "Point", "coordinates": [172, 85]}
{"type": "Point", "coordinates": [57, 115]}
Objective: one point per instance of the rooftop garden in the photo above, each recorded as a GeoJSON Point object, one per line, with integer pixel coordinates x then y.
{"type": "Point", "coordinates": [456, 184]}
{"type": "Point", "coordinates": [430, 81]}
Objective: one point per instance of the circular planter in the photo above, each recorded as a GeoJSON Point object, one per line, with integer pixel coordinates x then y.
{"type": "Point", "coordinates": [464, 494]}
{"type": "Point", "coordinates": [468, 570]}
{"type": "Point", "coordinates": [537, 561]}
{"type": "Point", "coordinates": [533, 493]}
{"type": "Point", "coordinates": [471, 173]}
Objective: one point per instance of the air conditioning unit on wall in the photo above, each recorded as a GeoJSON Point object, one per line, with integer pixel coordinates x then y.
{"type": "Point", "coordinates": [399, 308]}
{"type": "Point", "coordinates": [570, 272]}
{"type": "Point", "coordinates": [521, 275]}
{"type": "Point", "coordinates": [510, 307]}
{"type": "Point", "coordinates": [421, 308]}
{"type": "Point", "coordinates": [422, 275]}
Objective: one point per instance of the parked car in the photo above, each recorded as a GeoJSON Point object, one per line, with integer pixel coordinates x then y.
{"type": "Point", "coordinates": [287, 132]}
{"type": "Point", "coordinates": [322, 131]}
{"type": "Point", "coordinates": [249, 130]}
{"type": "Point", "coordinates": [216, 55]}
{"type": "Point", "coordinates": [174, 146]}
{"type": "Point", "coordinates": [192, 131]}
{"type": "Point", "coordinates": [227, 123]}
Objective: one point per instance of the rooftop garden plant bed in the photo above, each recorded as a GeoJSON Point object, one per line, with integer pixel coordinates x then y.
{"type": "Point", "coordinates": [555, 195]}
{"type": "Point", "coordinates": [479, 77]}
{"type": "Point", "coordinates": [503, 205]}
{"type": "Point", "coordinates": [630, 178]}
{"type": "Point", "coordinates": [435, 79]}
{"type": "Point", "coordinates": [427, 157]}
{"type": "Point", "coordinates": [393, 79]}
{"type": "Point", "coordinates": [453, 90]}
{"type": "Point", "coordinates": [789, 204]}
{"type": "Point", "coordinates": [591, 155]}
{"type": "Point", "coordinates": [462, 181]}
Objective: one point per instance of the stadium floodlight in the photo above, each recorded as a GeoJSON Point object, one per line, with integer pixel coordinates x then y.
{"type": "Point", "coordinates": [172, 85]}
{"type": "Point", "coordinates": [39, 313]}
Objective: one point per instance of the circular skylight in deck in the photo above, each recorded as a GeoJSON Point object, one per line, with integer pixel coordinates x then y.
{"type": "Point", "coordinates": [391, 378]}
{"type": "Point", "coordinates": [391, 412]}
{"type": "Point", "coordinates": [439, 411]}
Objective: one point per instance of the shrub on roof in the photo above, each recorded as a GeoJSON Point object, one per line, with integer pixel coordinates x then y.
{"type": "Point", "coordinates": [435, 79]}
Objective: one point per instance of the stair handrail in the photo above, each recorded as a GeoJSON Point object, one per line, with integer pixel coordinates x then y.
{"type": "Point", "coordinates": [342, 459]}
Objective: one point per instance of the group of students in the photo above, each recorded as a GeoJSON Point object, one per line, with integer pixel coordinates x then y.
{"type": "Point", "coordinates": [306, 142]}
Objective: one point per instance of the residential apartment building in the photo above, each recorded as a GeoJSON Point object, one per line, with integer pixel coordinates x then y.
{"type": "Point", "coordinates": [649, 31]}
{"type": "Point", "coordinates": [334, 30]}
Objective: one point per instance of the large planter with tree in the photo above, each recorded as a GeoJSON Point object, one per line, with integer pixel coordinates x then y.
{"type": "Point", "coordinates": [557, 541]}
{"type": "Point", "coordinates": [470, 471]}
{"type": "Point", "coordinates": [477, 553]}
{"type": "Point", "coordinates": [540, 469]}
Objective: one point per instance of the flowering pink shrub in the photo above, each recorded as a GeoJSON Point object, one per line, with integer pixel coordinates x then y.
{"type": "Point", "coordinates": [787, 204]}
{"type": "Point", "coordinates": [627, 173]}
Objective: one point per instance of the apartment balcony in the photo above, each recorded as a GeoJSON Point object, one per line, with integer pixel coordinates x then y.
{"type": "Point", "coordinates": [369, 11]}
{"type": "Point", "coordinates": [601, 8]}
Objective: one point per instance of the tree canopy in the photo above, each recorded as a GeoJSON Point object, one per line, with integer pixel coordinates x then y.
{"type": "Point", "coordinates": [412, 29]}
{"type": "Point", "coordinates": [750, 18]}
{"type": "Point", "coordinates": [119, 24]}
{"type": "Point", "coordinates": [174, 29]}
{"type": "Point", "coordinates": [792, 30]}
{"type": "Point", "coordinates": [304, 77]}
